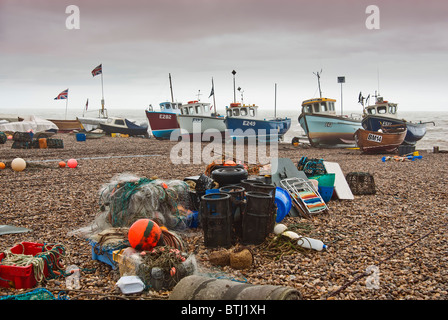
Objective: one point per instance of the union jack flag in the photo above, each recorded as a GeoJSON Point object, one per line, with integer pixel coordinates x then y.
{"type": "Point", "coordinates": [98, 70]}
{"type": "Point", "coordinates": [62, 95]}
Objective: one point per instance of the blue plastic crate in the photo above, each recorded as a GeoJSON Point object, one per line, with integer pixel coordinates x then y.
{"type": "Point", "coordinates": [106, 256]}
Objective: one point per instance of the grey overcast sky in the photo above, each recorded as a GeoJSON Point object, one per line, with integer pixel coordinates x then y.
{"type": "Point", "coordinates": [266, 41]}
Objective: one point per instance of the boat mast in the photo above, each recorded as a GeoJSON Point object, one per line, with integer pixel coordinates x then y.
{"type": "Point", "coordinates": [234, 92]}
{"type": "Point", "coordinates": [213, 91]}
{"type": "Point", "coordinates": [318, 81]}
{"type": "Point", "coordinates": [275, 102]}
{"type": "Point", "coordinates": [171, 88]}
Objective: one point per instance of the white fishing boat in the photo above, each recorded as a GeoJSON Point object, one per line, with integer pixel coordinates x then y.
{"type": "Point", "coordinates": [196, 119]}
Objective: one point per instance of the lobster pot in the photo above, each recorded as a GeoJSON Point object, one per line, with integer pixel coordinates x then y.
{"type": "Point", "coordinates": [22, 136]}
{"type": "Point", "coordinates": [361, 183]}
{"type": "Point", "coordinates": [237, 206]}
{"type": "Point", "coordinates": [258, 217]}
{"type": "Point", "coordinates": [216, 220]}
{"type": "Point", "coordinates": [203, 288]}
{"type": "Point", "coordinates": [3, 137]}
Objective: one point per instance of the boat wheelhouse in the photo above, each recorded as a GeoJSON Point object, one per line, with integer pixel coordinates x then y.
{"type": "Point", "coordinates": [196, 118]}
{"type": "Point", "coordinates": [243, 121]}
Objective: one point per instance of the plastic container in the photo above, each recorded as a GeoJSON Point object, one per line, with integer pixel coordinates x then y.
{"type": "Point", "coordinates": [311, 243]}
{"type": "Point", "coordinates": [72, 281]}
{"type": "Point", "coordinates": [130, 284]}
{"type": "Point", "coordinates": [326, 193]}
{"type": "Point", "coordinates": [100, 254]}
{"type": "Point", "coordinates": [216, 220]}
{"type": "Point", "coordinates": [80, 137]}
{"type": "Point", "coordinates": [23, 277]}
{"type": "Point", "coordinates": [283, 202]}
{"type": "Point", "coordinates": [43, 143]}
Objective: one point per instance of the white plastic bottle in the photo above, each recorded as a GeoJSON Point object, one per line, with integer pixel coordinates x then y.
{"type": "Point", "coordinates": [72, 281]}
{"type": "Point", "coordinates": [311, 243]}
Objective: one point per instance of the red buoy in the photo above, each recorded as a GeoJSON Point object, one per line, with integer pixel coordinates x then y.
{"type": "Point", "coordinates": [144, 234]}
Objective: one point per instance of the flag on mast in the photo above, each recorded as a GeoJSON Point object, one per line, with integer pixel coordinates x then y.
{"type": "Point", "coordinates": [98, 70]}
{"type": "Point", "coordinates": [213, 90]}
{"type": "Point", "coordinates": [87, 104]}
{"type": "Point", "coordinates": [62, 95]}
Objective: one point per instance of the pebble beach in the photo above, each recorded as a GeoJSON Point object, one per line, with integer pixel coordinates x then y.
{"type": "Point", "coordinates": [401, 230]}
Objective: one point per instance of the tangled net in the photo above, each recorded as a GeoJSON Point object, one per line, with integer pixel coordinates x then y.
{"type": "Point", "coordinates": [127, 198]}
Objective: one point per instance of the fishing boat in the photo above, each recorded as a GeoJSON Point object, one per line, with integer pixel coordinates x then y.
{"type": "Point", "coordinates": [323, 126]}
{"type": "Point", "coordinates": [93, 123]}
{"type": "Point", "coordinates": [124, 126]}
{"type": "Point", "coordinates": [384, 113]}
{"type": "Point", "coordinates": [386, 140]}
{"type": "Point", "coordinates": [67, 125]}
{"type": "Point", "coordinates": [196, 119]}
{"type": "Point", "coordinates": [164, 122]}
{"type": "Point", "coordinates": [243, 121]}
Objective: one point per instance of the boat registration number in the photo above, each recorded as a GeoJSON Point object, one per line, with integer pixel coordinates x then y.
{"type": "Point", "coordinates": [164, 116]}
{"type": "Point", "coordinates": [197, 120]}
{"type": "Point", "coordinates": [374, 137]}
{"type": "Point", "coordinates": [249, 123]}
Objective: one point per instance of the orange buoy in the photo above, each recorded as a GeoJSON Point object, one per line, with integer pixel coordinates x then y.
{"type": "Point", "coordinates": [61, 164]}
{"type": "Point", "coordinates": [2, 165]}
{"type": "Point", "coordinates": [144, 234]}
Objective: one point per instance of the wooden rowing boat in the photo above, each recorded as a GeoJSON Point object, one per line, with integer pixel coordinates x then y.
{"type": "Point", "coordinates": [386, 140]}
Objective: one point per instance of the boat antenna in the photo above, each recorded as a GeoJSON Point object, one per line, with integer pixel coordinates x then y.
{"type": "Point", "coordinates": [171, 88]}
{"type": "Point", "coordinates": [234, 92]}
{"type": "Point", "coordinates": [275, 102]}
{"type": "Point", "coordinates": [199, 94]}
{"type": "Point", "coordinates": [318, 81]}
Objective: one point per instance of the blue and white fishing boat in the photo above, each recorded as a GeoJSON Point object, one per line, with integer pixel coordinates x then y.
{"type": "Point", "coordinates": [324, 127]}
{"type": "Point", "coordinates": [384, 113]}
{"type": "Point", "coordinates": [242, 121]}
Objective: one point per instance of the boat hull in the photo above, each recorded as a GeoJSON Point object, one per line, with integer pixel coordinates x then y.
{"type": "Point", "coordinates": [130, 129]}
{"type": "Point", "coordinates": [196, 125]}
{"type": "Point", "coordinates": [328, 129]}
{"type": "Point", "coordinates": [67, 125]}
{"type": "Point", "coordinates": [415, 131]}
{"type": "Point", "coordinates": [162, 123]}
{"type": "Point", "coordinates": [379, 142]}
{"type": "Point", "coordinates": [260, 129]}
{"type": "Point", "coordinates": [90, 124]}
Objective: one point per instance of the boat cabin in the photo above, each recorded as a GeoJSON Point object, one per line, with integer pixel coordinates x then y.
{"type": "Point", "coordinates": [319, 106]}
{"type": "Point", "coordinates": [244, 111]}
{"type": "Point", "coordinates": [195, 108]}
{"type": "Point", "coordinates": [171, 107]}
{"type": "Point", "coordinates": [168, 107]}
{"type": "Point", "coordinates": [382, 108]}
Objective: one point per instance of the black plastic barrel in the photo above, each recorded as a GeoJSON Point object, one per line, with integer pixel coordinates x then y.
{"type": "Point", "coordinates": [237, 204]}
{"type": "Point", "coordinates": [216, 220]}
{"type": "Point", "coordinates": [248, 184]}
{"type": "Point", "coordinates": [257, 217]}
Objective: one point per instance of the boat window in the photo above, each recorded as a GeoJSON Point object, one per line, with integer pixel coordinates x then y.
{"type": "Point", "coordinates": [382, 110]}
{"type": "Point", "coordinates": [308, 109]}
{"type": "Point", "coordinates": [198, 109]}
{"type": "Point", "coordinates": [323, 107]}
{"type": "Point", "coordinates": [371, 111]}
{"type": "Point", "coordinates": [252, 112]}
{"type": "Point", "coordinates": [191, 110]}
{"type": "Point", "coordinates": [392, 109]}
{"type": "Point", "coordinates": [120, 122]}
{"type": "Point", "coordinates": [185, 110]}
{"type": "Point", "coordinates": [229, 113]}
{"type": "Point", "coordinates": [331, 106]}
{"type": "Point", "coordinates": [316, 107]}
{"type": "Point", "coordinates": [236, 112]}
{"type": "Point", "coordinates": [243, 111]}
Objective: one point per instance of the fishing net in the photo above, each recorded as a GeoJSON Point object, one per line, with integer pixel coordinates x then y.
{"type": "Point", "coordinates": [127, 198]}
{"type": "Point", "coordinates": [37, 294]}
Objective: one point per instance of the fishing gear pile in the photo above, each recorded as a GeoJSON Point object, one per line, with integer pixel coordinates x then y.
{"type": "Point", "coordinates": [128, 198]}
